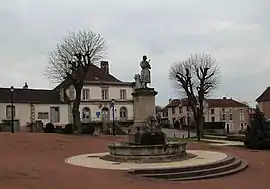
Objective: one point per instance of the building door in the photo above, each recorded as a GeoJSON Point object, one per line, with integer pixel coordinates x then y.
{"type": "Point", "coordinates": [177, 125]}
{"type": "Point", "coordinates": [105, 114]}
{"type": "Point", "coordinates": [86, 115]}
{"type": "Point", "coordinates": [54, 114]}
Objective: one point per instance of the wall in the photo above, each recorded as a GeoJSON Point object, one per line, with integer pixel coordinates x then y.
{"type": "Point", "coordinates": [265, 108]}
{"type": "Point", "coordinates": [114, 91]}
{"type": "Point", "coordinates": [97, 107]}
{"type": "Point", "coordinates": [64, 118]}
{"type": "Point", "coordinates": [96, 103]}
{"type": "Point", "coordinates": [234, 124]}
{"type": "Point", "coordinates": [22, 112]}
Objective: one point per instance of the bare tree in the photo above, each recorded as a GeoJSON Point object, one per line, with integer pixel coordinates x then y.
{"type": "Point", "coordinates": [196, 77]}
{"type": "Point", "coordinates": [71, 59]}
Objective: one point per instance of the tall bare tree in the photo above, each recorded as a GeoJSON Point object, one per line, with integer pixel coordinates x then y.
{"type": "Point", "coordinates": [71, 59]}
{"type": "Point", "coordinates": [196, 77]}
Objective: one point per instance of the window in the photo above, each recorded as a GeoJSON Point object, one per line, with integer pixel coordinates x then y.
{"type": "Point", "coordinates": [230, 110]}
{"type": "Point", "coordinates": [9, 110]}
{"type": "Point", "coordinates": [231, 117]}
{"type": "Point", "coordinates": [223, 117]}
{"type": "Point", "coordinates": [105, 93]}
{"type": "Point", "coordinates": [241, 110]}
{"type": "Point", "coordinates": [173, 110]}
{"type": "Point", "coordinates": [43, 115]}
{"type": "Point", "coordinates": [85, 94]}
{"type": "Point", "coordinates": [71, 93]}
{"type": "Point", "coordinates": [212, 111]}
{"type": "Point", "coordinates": [223, 110]}
{"type": "Point", "coordinates": [180, 109]}
{"type": "Point", "coordinates": [55, 114]}
{"type": "Point", "coordinates": [123, 94]}
{"type": "Point", "coordinates": [241, 117]}
{"type": "Point", "coordinates": [123, 113]}
{"type": "Point", "coordinates": [213, 119]}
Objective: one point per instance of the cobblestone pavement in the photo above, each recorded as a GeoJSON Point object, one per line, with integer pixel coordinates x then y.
{"type": "Point", "coordinates": [36, 160]}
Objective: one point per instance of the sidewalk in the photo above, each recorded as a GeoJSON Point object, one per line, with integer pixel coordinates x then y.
{"type": "Point", "coordinates": [223, 142]}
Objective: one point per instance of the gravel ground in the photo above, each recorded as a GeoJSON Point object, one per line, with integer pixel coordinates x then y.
{"type": "Point", "coordinates": [36, 160]}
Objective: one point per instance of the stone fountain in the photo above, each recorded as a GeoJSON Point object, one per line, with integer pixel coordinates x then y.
{"type": "Point", "coordinates": [146, 140]}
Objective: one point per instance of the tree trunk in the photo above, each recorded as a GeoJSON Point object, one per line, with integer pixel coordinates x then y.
{"type": "Point", "coordinates": [75, 109]}
{"type": "Point", "coordinates": [201, 122]}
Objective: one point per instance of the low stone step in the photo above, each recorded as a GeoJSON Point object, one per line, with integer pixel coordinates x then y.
{"type": "Point", "coordinates": [195, 173]}
{"type": "Point", "coordinates": [241, 167]}
{"type": "Point", "coordinates": [229, 159]}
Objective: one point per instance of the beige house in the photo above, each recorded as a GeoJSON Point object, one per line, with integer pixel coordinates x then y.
{"type": "Point", "coordinates": [31, 105]}
{"type": "Point", "coordinates": [99, 90]}
{"type": "Point", "coordinates": [233, 113]}
{"type": "Point", "coordinates": [264, 102]}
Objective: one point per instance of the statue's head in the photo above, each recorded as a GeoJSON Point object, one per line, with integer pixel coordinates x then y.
{"type": "Point", "coordinates": [137, 76]}
{"type": "Point", "coordinates": [144, 57]}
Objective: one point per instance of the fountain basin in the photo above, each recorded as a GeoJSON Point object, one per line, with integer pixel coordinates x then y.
{"type": "Point", "coordinates": [128, 151]}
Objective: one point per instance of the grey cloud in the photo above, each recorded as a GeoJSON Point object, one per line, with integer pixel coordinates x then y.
{"type": "Point", "coordinates": [235, 32]}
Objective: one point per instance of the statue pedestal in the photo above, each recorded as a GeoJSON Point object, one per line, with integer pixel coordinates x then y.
{"type": "Point", "coordinates": [144, 106]}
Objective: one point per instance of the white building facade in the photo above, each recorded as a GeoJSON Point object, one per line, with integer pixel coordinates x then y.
{"type": "Point", "coordinates": [102, 97]}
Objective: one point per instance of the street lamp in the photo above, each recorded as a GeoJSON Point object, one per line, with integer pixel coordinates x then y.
{"type": "Point", "coordinates": [188, 124]}
{"type": "Point", "coordinates": [113, 116]}
{"type": "Point", "coordinates": [198, 125]}
{"type": "Point", "coordinates": [12, 110]}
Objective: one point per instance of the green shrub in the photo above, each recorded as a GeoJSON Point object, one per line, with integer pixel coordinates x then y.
{"type": "Point", "coordinates": [49, 128]}
{"type": "Point", "coordinates": [68, 129]}
{"type": "Point", "coordinates": [258, 133]}
{"type": "Point", "coordinates": [88, 128]}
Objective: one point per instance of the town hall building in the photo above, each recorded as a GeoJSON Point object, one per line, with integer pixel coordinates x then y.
{"type": "Point", "coordinates": [101, 94]}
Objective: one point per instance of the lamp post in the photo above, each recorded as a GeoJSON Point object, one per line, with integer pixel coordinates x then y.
{"type": "Point", "coordinates": [12, 110]}
{"type": "Point", "coordinates": [198, 125]}
{"type": "Point", "coordinates": [113, 116]}
{"type": "Point", "coordinates": [188, 124]}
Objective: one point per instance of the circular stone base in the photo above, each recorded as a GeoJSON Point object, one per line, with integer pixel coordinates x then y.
{"type": "Point", "coordinates": [147, 159]}
{"type": "Point", "coordinates": [95, 161]}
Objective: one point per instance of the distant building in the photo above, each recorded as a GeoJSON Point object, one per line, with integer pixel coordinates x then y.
{"type": "Point", "coordinates": [264, 102]}
{"type": "Point", "coordinates": [233, 113]}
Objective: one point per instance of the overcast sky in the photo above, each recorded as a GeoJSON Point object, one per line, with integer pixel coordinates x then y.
{"type": "Point", "coordinates": [236, 32]}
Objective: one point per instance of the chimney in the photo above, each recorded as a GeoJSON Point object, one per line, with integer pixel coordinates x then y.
{"type": "Point", "coordinates": [104, 65]}
{"type": "Point", "coordinates": [170, 100]}
{"type": "Point", "coordinates": [25, 86]}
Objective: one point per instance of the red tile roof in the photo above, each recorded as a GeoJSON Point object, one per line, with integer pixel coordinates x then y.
{"type": "Point", "coordinates": [265, 96]}
{"type": "Point", "coordinates": [211, 103]}
{"type": "Point", "coordinates": [224, 103]}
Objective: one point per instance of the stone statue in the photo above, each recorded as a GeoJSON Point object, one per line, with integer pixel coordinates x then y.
{"type": "Point", "coordinates": [145, 72]}
{"type": "Point", "coordinates": [138, 84]}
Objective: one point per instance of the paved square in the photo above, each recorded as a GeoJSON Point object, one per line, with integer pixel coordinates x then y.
{"type": "Point", "coordinates": [33, 160]}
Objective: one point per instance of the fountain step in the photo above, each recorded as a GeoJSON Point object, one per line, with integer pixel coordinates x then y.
{"type": "Point", "coordinates": [224, 167]}
{"type": "Point", "coordinates": [229, 159]}
{"type": "Point", "coordinates": [241, 167]}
